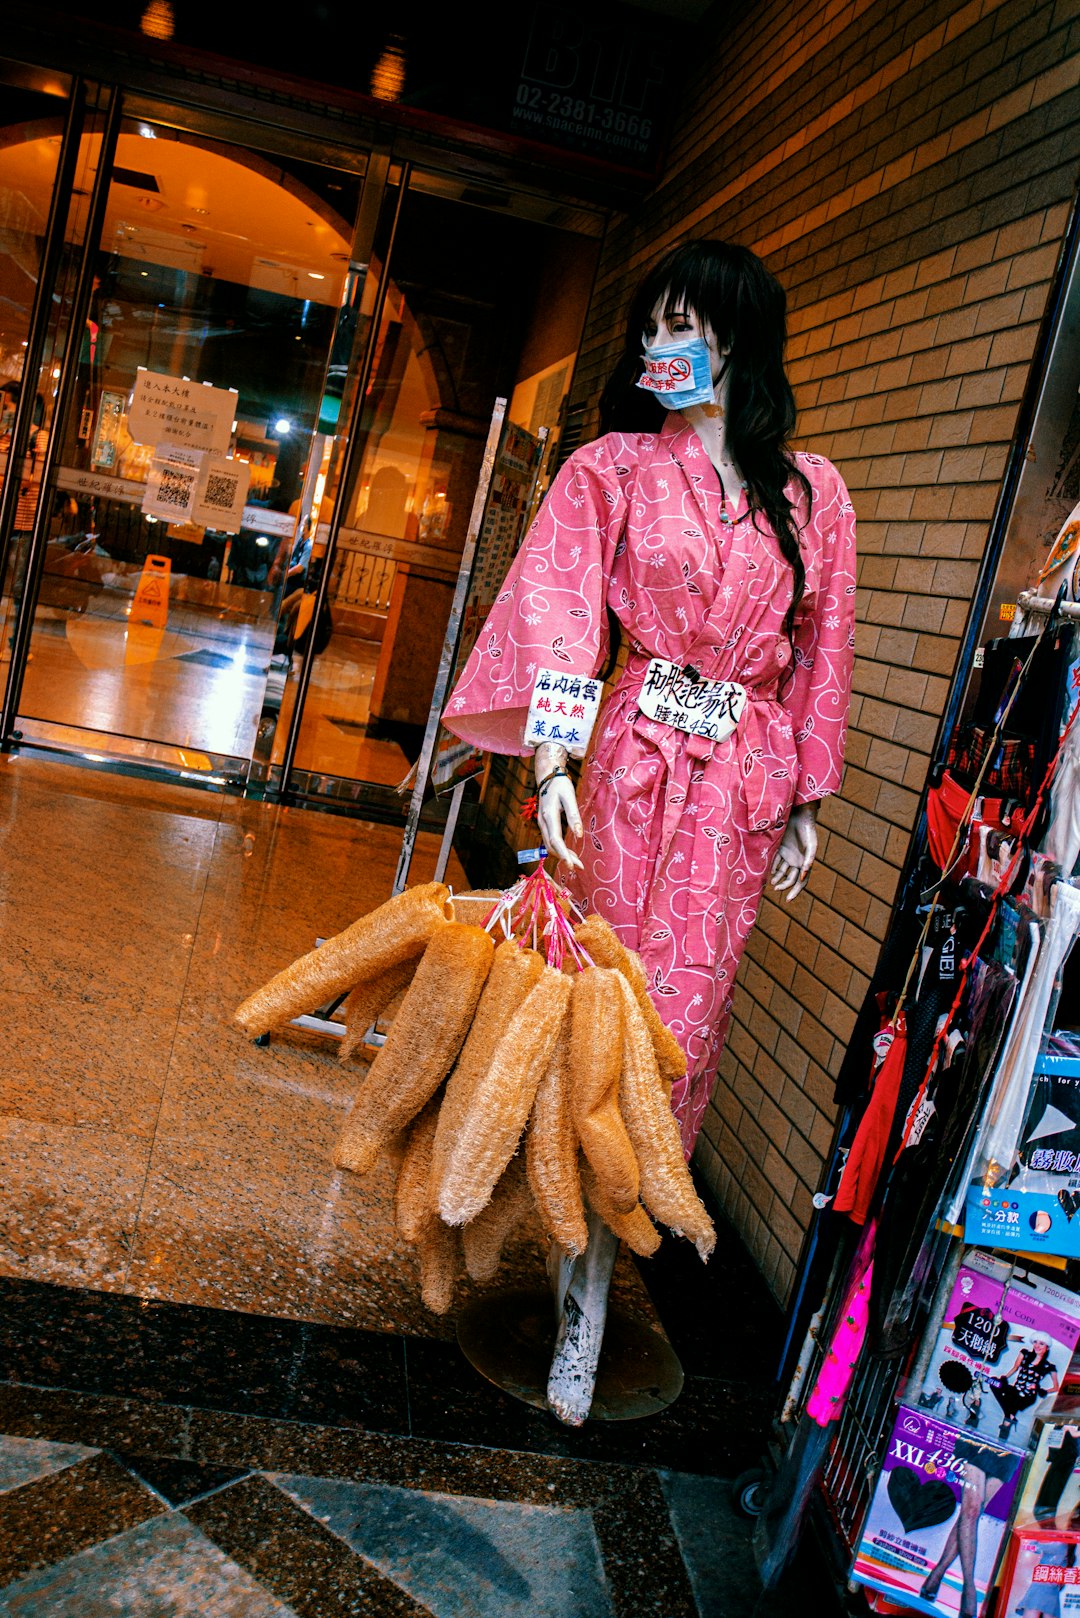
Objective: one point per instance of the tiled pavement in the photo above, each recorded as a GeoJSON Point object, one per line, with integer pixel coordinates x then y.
{"type": "Point", "coordinates": [166, 1459]}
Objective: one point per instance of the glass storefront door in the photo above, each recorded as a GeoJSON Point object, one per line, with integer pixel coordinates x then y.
{"type": "Point", "coordinates": [466, 281]}
{"type": "Point", "coordinates": [187, 460]}
{"type": "Point", "coordinates": [259, 421]}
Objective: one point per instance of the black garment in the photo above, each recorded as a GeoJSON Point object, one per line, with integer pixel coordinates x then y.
{"type": "Point", "coordinates": [1058, 1472]}
{"type": "Point", "coordinates": [1025, 1388]}
{"type": "Point", "coordinates": [991, 1459]}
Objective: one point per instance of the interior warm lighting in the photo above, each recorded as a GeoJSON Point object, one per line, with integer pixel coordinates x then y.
{"type": "Point", "coordinates": [388, 75]}
{"type": "Point", "coordinates": [157, 20]}
{"type": "Point", "coordinates": [316, 275]}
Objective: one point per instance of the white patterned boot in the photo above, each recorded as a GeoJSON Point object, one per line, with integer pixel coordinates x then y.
{"type": "Point", "coordinates": [581, 1298]}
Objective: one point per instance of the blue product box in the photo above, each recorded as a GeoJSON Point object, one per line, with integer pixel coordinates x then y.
{"type": "Point", "coordinates": [1036, 1207]}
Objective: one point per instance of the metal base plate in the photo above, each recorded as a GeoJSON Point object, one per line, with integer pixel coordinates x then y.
{"type": "Point", "coordinates": [509, 1337]}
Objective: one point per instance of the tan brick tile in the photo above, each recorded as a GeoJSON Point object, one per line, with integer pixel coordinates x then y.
{"type": "Point", "coordinates": [842, 857]}
{"type": "Point", "coordinates": [972, 500]}
{"type": "Point", "coordinates": [866, 831]}
{"type": "Point", "coordinates": [779, 965]}
{"type": "Point", "coordinates": [937, 267]}
{"type": "Point", "coordinates": [790, 1054]}
{"type": "Point", "coordinates": [826, 924]}
{"type": "Point", "coordinates": [963, 358]}
{"type": "Point", "coordinates": [936, 653]}
{"type": "Point", "coordinates": [983, 388]}
{"type": "Point", "coordinates": [821, 1134]}
{"type": "Point", "coordinates": [1013, 346]}
{"type": "Point", "coordinates": [938, 398]}
{"type": "Point", "coordinates": [1033, 267]}
{"type": "Point", "coordinates": [896, 803]}
{"type": "Point", "coordinates": [917, 731]}
{"type": "Point", "coordinates": [952, 429]}
{"type": "Point", "coordinates": [956, 617]}
{"type": "Point", "coordinates": [923, 613]}
{"type": "Point", "coordinates": [929, 365]}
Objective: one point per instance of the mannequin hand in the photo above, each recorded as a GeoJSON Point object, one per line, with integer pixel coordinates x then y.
{"type": "Point", "coordinates": [556, 804]}
{"type": "Point", "coordinates": [798, 848]}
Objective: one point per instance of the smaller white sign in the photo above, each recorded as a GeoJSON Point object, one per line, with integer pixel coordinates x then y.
{"type": "Point", "coordinates": [563, 709]}
{"type": "Point", "coordinates": [172, 483]}
{"type": "Point", "coordinates": [174, 410]}
{"type": "Point", "coordinates": [281, 524]}
{"type": "Point", "coordinates": [675, 696]}
{"type": "Point", "coordinates": [221, 493]}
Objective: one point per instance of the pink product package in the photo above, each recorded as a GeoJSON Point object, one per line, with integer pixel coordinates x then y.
{"type": "Point", "coordinates": [933, 1475]}
{"type": "Point", "coordinates": [1042, 1574]}
{"type": "Point", "coordinates": [1002, 1350]}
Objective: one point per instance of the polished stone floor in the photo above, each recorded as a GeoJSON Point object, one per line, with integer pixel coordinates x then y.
{"type": "Point", "coordinates": [219, 1392]}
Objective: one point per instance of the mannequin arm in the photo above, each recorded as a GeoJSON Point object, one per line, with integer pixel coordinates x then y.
{"type": "Point", "coordinates": [556, 802]}
{"type": "Point", "coordinates": [797, 851]}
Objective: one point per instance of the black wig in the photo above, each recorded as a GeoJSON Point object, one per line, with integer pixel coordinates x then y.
{"type": "Point", "coordinates": [731, 291]}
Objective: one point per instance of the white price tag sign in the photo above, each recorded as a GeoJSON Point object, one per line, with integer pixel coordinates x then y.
{"type": "Point", "coordinates": [563, 709]}
{"type": "Point", "coordinates": [673, 696]}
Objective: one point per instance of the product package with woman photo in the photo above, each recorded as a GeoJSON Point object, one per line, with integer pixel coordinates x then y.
{"type": "Point", "coordinates": [1002, 1350]}
{"type": "Point", "coordinates": [933, 1533]}
{"type": "Point", "coordinates": [1041, 1578]}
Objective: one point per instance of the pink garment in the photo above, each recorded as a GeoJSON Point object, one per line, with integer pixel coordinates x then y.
{"type": "Point", "coordinates": [679, 832]}
{"type": "Point", "coordinates": [841, 1357]}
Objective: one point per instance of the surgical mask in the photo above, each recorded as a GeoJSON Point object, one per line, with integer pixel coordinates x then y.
{"type": "Point", "coordinates": [679, 373]}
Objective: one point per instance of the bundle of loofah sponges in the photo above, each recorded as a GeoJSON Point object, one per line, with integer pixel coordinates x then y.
{"type": "Point", "coordinates": [529, 1073]}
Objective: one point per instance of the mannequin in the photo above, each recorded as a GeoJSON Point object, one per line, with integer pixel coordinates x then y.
{"type": "Point", "coordinates": [728, 558]}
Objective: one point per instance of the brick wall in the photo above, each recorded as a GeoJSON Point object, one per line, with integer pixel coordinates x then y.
{"type": "Point", "coordinates": [906, 169]}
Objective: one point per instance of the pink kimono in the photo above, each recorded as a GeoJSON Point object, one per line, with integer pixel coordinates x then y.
{"type": "Point", "coordinates": [680, 832]}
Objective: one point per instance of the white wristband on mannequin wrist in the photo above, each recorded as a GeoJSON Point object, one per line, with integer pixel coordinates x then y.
{"type": "Point", "coordinates": [563, 709]}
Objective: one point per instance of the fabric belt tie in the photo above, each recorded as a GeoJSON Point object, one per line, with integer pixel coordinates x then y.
{"type": "Point", "coordinates": [765, 800]}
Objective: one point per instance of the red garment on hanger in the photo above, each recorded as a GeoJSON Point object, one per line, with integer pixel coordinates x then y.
{"type": "Point", "coordinates": [863, 1167]}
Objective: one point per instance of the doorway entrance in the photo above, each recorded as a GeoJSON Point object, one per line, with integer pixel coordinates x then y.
{"type": "Point", "coordinates": [252, 395]}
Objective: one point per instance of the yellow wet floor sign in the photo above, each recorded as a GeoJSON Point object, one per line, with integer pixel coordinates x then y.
{"type": "Point", "coordinates": [151, 603]}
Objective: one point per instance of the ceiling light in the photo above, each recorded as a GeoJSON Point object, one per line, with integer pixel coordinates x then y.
{"type": "Point", "coordinates": [283, 425]}
{"type": "Point", "coordinates": [316, 275]}
{"type": "Point", "coordinates": [388, 74]}
{"type": "Point", "coordinates": [157, 20]}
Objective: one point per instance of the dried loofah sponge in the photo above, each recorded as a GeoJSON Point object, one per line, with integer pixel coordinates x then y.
{"type": "Point", "coordinates": [422, 1044]}
{"type": "Point", "coordinates": [440, 1265]}
{"type": "Point", "coordinates": [412, 1203]}
{"type": "Point", "coordinates": [551, 1153]}
{"type": "Point", "coordinates": [370, 998]}
{"type": "Point", "coordinates": [514, 971]}
{"type": "Point", "coordinates": [500, 1105]}
{"type": "Point", "coordinates": [666, 1187]}
{"type": "Point", "coordinates": [396, 931]}
{"type": "Point", "coordinates": [635, 1228]}
{"type": "Point", "coordinates": [484, 1237]}
{"type": "Point", "coordinates": [596, 1055]}
{"type": "Point", "coordinates": [597, 938]}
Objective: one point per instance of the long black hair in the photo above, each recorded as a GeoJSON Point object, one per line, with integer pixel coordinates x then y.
{"type": "Point", "coordinates": [731, 291]}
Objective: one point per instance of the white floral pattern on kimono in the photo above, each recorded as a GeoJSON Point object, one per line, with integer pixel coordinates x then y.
{"type": "Point", "coordinates": [679, 832]}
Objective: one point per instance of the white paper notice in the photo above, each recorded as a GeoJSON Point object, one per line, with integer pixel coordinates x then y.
{"type": "Point", "coordinates": [562, 709]}
{"type": "Point", "coordinates": [181, 412]}
{"type": "Point", "coordinates": [172, 483]}
{"type": "Point", "coordinates": [222, 491]}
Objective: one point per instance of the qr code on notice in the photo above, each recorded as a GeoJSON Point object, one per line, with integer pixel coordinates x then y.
{"type": "Point", "coordinates": [220, 491]}
{"type": "Point", "coordinates": [174, 489]}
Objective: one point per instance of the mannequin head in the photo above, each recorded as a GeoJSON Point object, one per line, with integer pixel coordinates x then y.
{"type": "Point", "coordinates": [737, 306]}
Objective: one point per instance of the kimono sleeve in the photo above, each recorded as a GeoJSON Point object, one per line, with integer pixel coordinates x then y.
{"type": "Point", "coordinates": [820, 691]}
{"type": "Point", "coordinates": [550, 612]}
